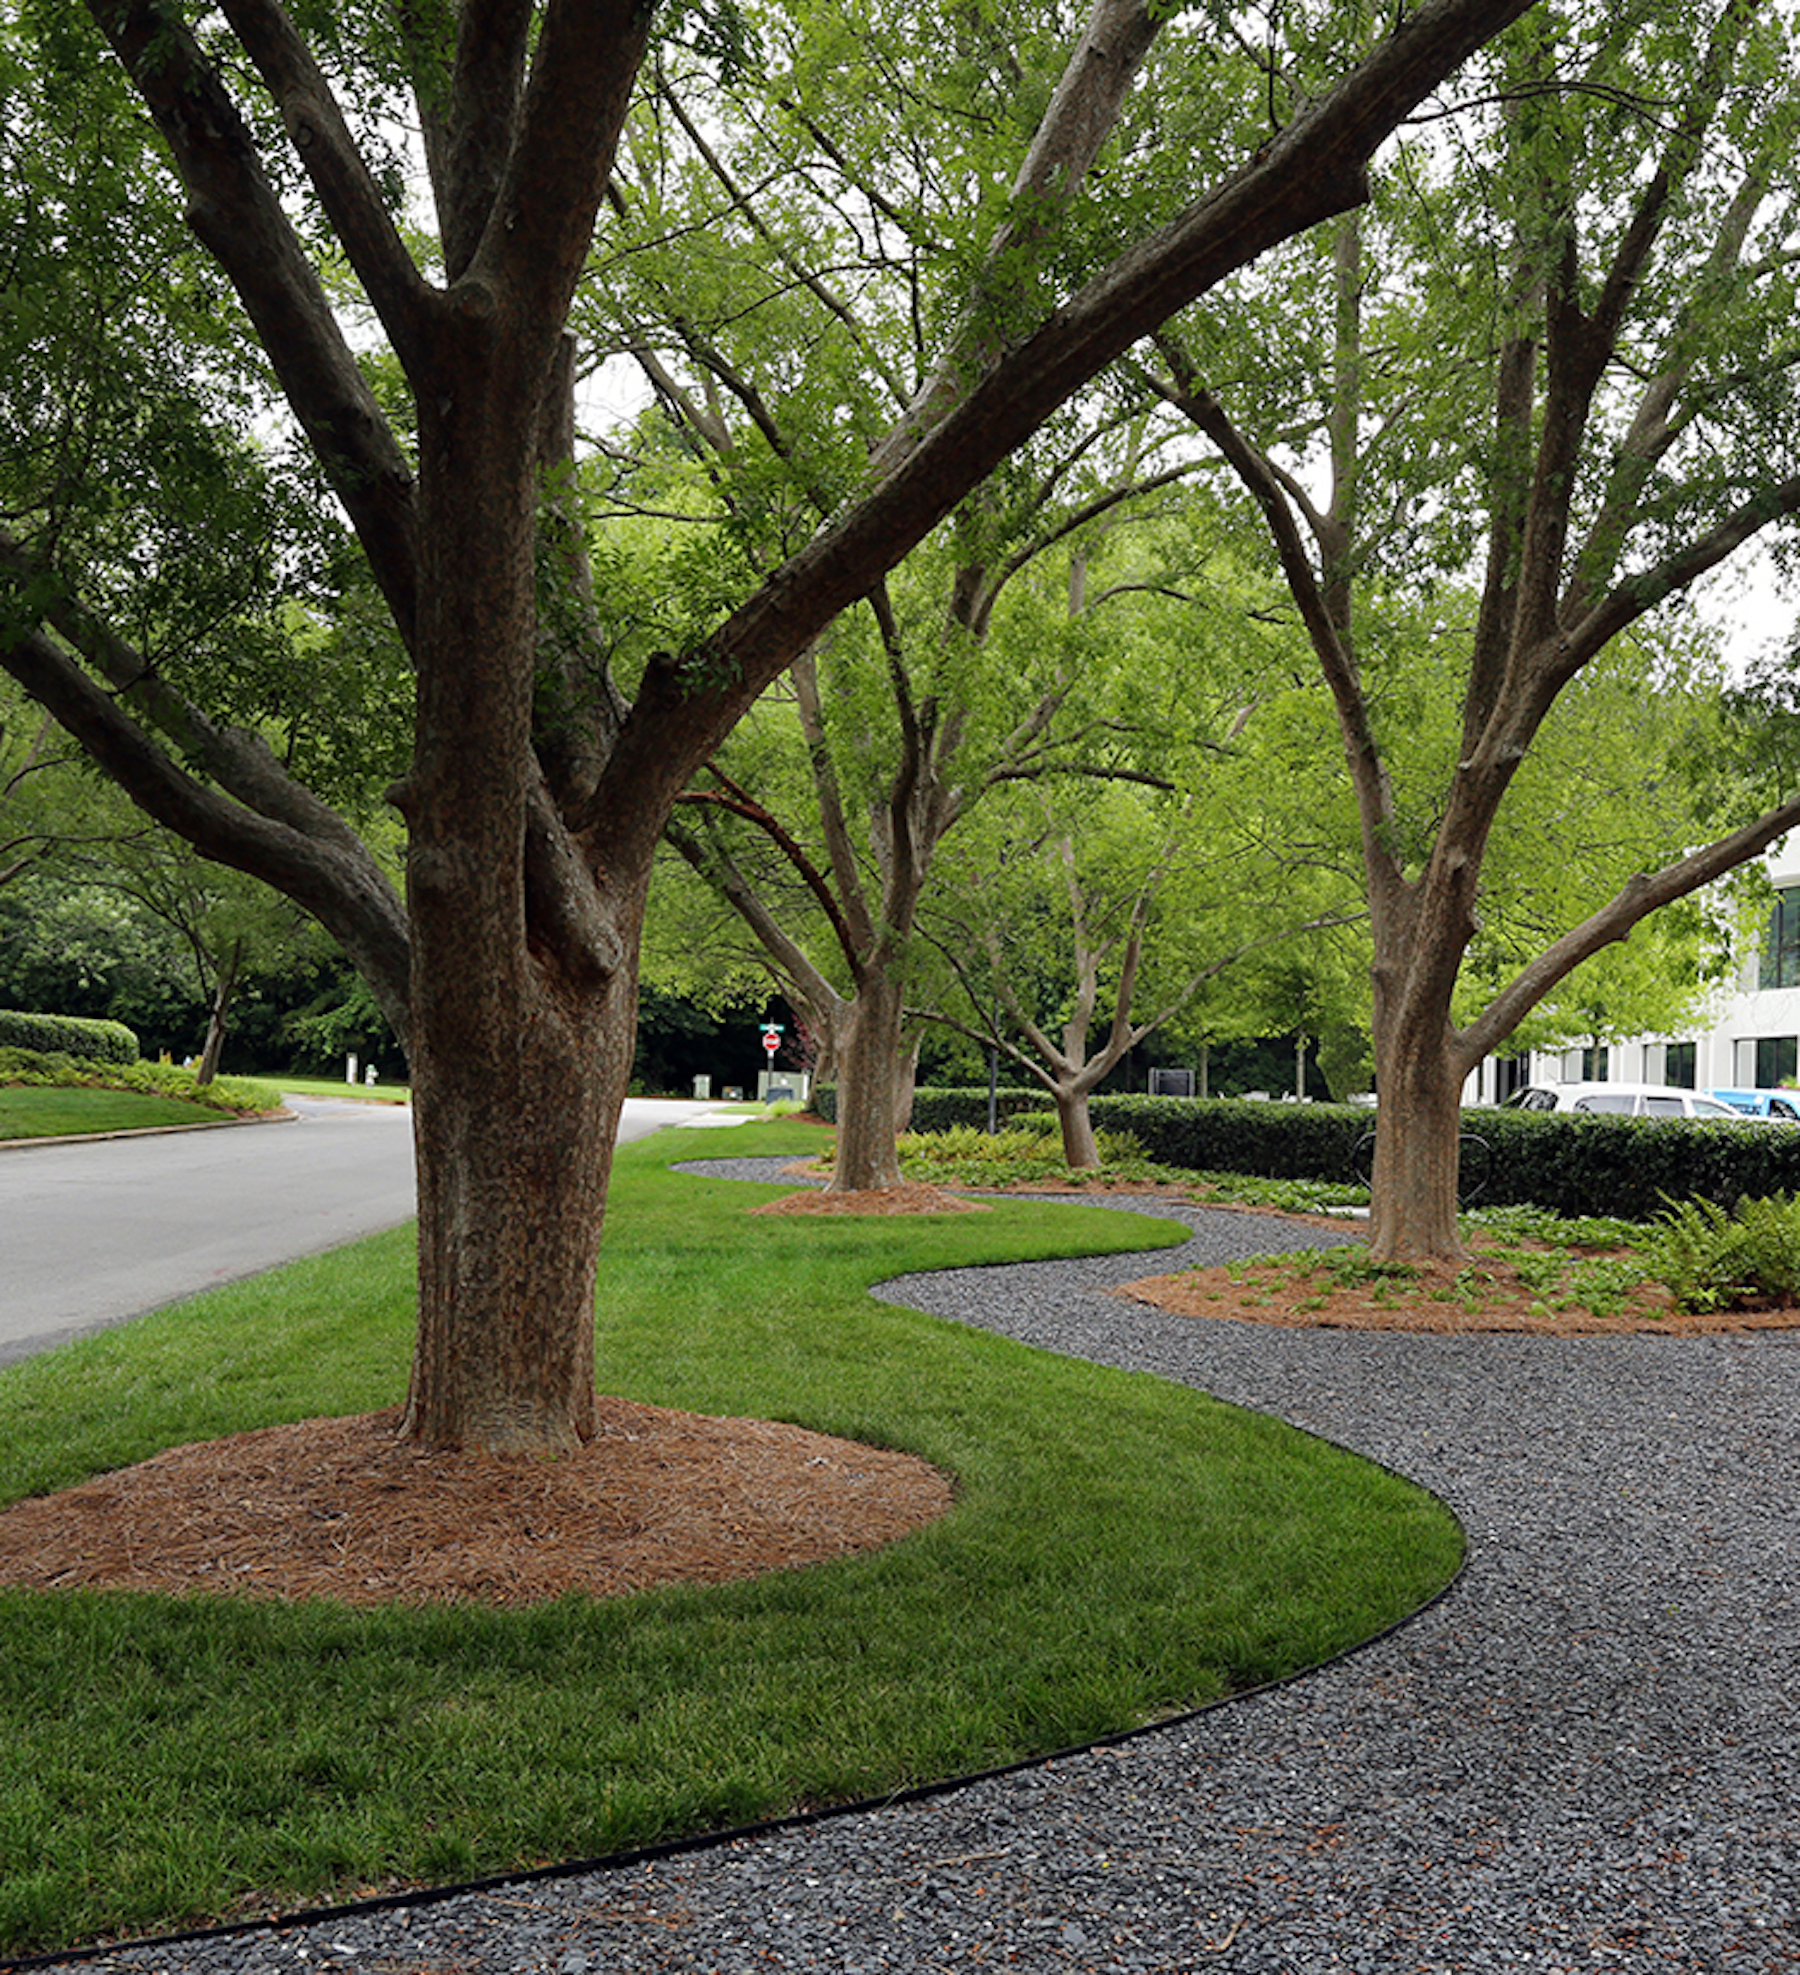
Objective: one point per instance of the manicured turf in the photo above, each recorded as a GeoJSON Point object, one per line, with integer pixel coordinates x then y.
{"type": "Point", "coordinates": [41, 1111]}
{"type": "Point", "coordinates": [1121, 1548]}
{"type": "Point", "coordinates": [336, 1087]}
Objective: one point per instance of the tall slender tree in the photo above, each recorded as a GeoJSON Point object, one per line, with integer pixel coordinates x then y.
{"type": "Point", "coordinates": [1584, 376]}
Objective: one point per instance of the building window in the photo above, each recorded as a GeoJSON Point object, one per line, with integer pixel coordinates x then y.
{"type": "Point", "coordinates": [1777, 1059]}
{"type": "Point", "coordinates": [1510, 1073]}
{"type": "Point", "coordinates": [1593, 1064]}
{"type": "Point", "coordinates": [1679, 1065]}
{"type": "Point", "coordinates": [1781, 950]}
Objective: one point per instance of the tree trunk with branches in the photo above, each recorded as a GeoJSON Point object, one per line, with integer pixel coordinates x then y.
{"type": "Point", "coordinates": [1564, 493]}
{"type": "Point", "coordinates": [533, 814]}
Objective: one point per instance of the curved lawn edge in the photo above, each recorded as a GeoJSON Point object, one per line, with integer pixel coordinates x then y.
{"type": "Point", "coordinates": [1123, 1551]}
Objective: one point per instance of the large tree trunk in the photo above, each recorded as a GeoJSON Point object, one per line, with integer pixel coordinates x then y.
{"type": "Point", "coordinates": [1418, 1083]}
{"type": "Point", "coordinates": [514, 1139]}
{"type": "Point", "coordinates": [1418, 1125]}
{"type": "Point", "coordinates": [523, 979]}
{"type": "Point", "coordinates": [869, 1062]}
{"type": "Point", "coordinates": [1080, 1151]}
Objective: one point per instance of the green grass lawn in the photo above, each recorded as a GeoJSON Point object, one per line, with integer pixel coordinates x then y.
{"type": "Point", "coordinates": [45, 1111]}
{"type": "Point", "coordinates": [336, 1087]}
{"type": "Point", "coordinates": [1122, 1548]}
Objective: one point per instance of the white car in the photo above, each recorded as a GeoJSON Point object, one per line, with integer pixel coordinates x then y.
{"type": "Point", "coordinates": [1623, 1100]}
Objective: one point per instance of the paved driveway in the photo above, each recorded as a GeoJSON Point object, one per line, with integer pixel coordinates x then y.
{"type": "Point", "coordinates": [96, 1232]}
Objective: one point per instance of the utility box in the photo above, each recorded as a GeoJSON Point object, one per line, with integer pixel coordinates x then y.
{"type": "Point", "coordinates": [1171, 1083]}
{"type": "Point", "coordinates": [784, 1086]}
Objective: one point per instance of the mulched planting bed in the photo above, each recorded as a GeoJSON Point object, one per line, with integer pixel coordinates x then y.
{"type": "Point", "coordinates": [339, 1508]}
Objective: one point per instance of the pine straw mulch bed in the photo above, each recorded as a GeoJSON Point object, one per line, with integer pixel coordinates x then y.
{"type": "Point", "coordinates": [1489, 1294]}
{"type": "Point", "coordinates": [341, 1509]}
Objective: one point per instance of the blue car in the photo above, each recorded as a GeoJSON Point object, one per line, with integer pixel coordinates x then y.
{"type": "Point", "coordinates": [1783, 1105]}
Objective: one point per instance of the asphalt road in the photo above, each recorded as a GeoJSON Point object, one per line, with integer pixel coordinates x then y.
{"type": "Point", "coordinates": [93, 1233]}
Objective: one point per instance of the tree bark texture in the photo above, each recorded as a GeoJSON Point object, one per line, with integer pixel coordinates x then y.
{"type": "Point", "coordinates": [869, 1067]}
{"type": "Point", "coordinates": [521, 938]}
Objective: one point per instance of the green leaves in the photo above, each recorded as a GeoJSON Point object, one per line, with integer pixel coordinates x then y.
{"type": "Point", "coordinates": [1715, 1260]}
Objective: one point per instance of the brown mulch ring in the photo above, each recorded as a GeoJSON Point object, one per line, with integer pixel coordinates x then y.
{"type": "Point", "coordinates": [1488, 1295]}
{"type": "Point", "coordinates": [908, 1199]}
{"type": "Point", "coordinates": [339, 1508]}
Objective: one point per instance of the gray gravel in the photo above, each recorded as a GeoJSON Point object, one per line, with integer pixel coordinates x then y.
{"type": "Point", "coordinates": [1583, 1758]}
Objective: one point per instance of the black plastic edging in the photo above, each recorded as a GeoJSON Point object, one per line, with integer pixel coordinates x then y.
{"type": "Point", "coordinates": [699, 1841]}
{"type": "Point", "coordinates": [318, 1916]}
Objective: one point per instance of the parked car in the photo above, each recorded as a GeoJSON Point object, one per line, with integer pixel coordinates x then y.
{"type": "Point", "coordinates": [1780, 1104]}
{"type": "Point", "coordinates": [1623, 1100]}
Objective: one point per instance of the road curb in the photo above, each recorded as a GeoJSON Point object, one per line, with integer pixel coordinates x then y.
{"type": "Point", "coordinates": [282, 1117]}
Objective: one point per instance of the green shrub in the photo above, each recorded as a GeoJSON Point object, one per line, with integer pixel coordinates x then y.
{"type": "Point", "coordinates": [1579, 1164]}
{"type": "Point", "coordinates": [68, 1035]}
{"type": "Point", "coordinates": [1712, 1260]}
{"type": "Point", "coordinates": [231, 1094]}
{"type": "Point", "coordinates": [969, 1155]}
{"type": "Point", "coordinates": [1571, 1163]}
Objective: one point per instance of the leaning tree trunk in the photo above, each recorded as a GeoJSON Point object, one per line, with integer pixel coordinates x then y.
{"type": "Point", "coordinates": [869, 1062]}
{"type": "Point", "coordinates": [214, 1046]}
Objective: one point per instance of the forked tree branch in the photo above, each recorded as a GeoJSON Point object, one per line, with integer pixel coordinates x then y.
{"type": "Point", "coordinates": [1640, 897]}
{"type": "Point", "coordinates": [237, 215]}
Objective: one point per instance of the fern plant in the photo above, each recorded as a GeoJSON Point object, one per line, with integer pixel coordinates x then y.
{"type": "Point", "coordinates": [1714, 1260]}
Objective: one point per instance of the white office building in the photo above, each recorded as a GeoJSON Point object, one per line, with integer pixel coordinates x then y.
{"type": "Point", "coordinates": [1753, 1042]}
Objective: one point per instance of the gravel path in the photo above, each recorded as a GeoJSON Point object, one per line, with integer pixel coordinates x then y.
{"type": "Point", "coordinates": [1584, 1757]}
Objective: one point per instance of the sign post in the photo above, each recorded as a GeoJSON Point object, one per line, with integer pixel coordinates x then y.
{"type": "Point", "coordinates": [771, 1041]}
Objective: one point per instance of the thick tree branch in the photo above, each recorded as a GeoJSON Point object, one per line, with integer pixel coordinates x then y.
{"type": "Point", "coordinates": [535, 242]}
{"type": "Point", "coordinates": [405, 302]}
{"type": "Point", "coordinates": [239, 760]}
{"type": "Point", "coordinates": [235, 213]}
{"type": "Point", "coordinates": [472, 121]}
{"type": "Point", "coordinates": [1642, 896]}
{"type": "Point", "coordinates": [333, 879]}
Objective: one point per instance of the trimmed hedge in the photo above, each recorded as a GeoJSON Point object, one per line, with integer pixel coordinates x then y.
{"type": "Point", "coordinates": [1203, 1134]}
{"type": "Point", "coordinates": [1571, 1163]}
{"type": "Point", "coordinates": [1577, 1163]}
{"type": "Point", "coordinates": [236, 1095]}
{"type": "Point", "coordinates": [68, 1035]}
